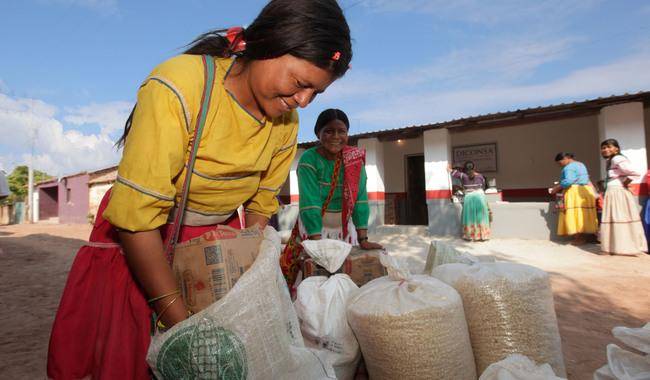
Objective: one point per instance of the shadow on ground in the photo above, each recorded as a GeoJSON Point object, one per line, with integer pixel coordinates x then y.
{"type": "Point", "coordinates": [586, 318]}
{"type": "Point", "coordinates": [34, 270]}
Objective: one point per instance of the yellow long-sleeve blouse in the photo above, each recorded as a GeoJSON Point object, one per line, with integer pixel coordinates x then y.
{"type": "Point", "coordinates": [240, 160]}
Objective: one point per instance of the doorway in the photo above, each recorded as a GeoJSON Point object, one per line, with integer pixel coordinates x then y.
{"type": "Point", "coordinates": [416, 200]}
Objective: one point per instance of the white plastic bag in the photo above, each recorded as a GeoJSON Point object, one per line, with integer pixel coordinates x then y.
{"type": "Point", "coordinates": [518, 367]}
{"type": "Point", "coordinates": [411, 327]}
{"type": "Point", "coordinates": [626, 365]}
{"type": "Point", "coordinates": [444, 252]}
{"type": "Point", "coordinates": [604, 373]}
{"type": "Point", "coordinates": [321, 309]}
{"type": "Point", "coordinates": [251, 333]}
{"type": "Point", "coordinates": [328, 253]}
{"type": "Point", "coordinates": [637, 338]}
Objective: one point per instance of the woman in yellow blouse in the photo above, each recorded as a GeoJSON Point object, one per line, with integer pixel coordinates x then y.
{"type": "Point", "coordinates": [241, 87]}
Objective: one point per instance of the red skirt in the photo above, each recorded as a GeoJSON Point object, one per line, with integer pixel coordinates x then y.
{"type": "Point", "coordinates": [103, 325]}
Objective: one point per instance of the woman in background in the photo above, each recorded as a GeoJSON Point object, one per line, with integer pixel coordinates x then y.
{"type": "Point", "coordinates": [621, 231]}
{"type": "Point", "coordinates": [333, 196]}
{"type": "Point", "coordinates": [476, 213]}
{"type": "Point", "coordinates": [579, 216]}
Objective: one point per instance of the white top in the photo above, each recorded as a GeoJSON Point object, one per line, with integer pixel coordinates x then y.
{"type": "Point", "coordinates": [621, 168]}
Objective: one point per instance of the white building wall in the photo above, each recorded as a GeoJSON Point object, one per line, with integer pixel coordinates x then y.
{"type": "Point", "coordinates": [293, 177]}
{"type": "Point", "coordinates": [395, 162]}
{"type": "Point", "coordinates": [374, 164]}
{"type": "Point", "coordinates": [95, 194]}
{"type": "Point", "coordinates": [437, 153]}
{"type": "Point", "coordinates": [35, 207]}
{"type": "Point", "coordinates": [526, 152]}
{"type": "Point", "coordinates": [646, 118]}
{"type": "Point", "coordinates": [625, 123]}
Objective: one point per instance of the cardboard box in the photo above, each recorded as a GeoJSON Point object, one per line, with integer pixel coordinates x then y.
{"type": "Point", "coordinates": [207, 267]}
{"type": "Point", "coordinates": [362, 266]}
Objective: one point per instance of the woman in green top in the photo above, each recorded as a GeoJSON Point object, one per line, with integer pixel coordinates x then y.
{"type": "Point", "coordinates": [345, 216]}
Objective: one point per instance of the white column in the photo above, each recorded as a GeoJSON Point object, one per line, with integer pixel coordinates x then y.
{"type": "Point", "coordinates": [374, 167]}
{"type": "Point", "coordinates": [35, 205]}
{"type": "Point", "coordinates": [375, 184]}
{"type": "Point", "coordinates": [437, 155]}
{"type": "Point", "coordinates": [625, 123]}
{"type": "Point", "coordinates": [293, 177]}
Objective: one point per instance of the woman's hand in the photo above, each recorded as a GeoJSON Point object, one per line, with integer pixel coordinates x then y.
{"type": "Point", "coordinates": [555, 189]}
{"type": "Point", "coordinates": [367, 245]}
{"type": "Point", "coordinates": [449, 168]}
{"type": "Point", "coordinates": [253, 219]}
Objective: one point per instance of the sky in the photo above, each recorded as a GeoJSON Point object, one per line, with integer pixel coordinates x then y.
{"type": "Point", "coordinates": [70, 69]}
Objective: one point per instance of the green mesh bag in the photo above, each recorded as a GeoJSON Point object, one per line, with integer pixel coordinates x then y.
{"type": "Point", "coordinates": [203, 351]}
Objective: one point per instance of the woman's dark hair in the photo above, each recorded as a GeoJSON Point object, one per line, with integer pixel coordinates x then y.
{"type": "Point", "coordinates": [611, 142]}
{"type": "Point", "coordinates": [562, 155]}
{"type": "Point", "coordinates": [468, 166]}
{"type": "Point", "coordinates": [313, 30]}
{"type": "Point", "coordinates": [327, 116]}
{"type": "Point", "coordinates": [614, 143]}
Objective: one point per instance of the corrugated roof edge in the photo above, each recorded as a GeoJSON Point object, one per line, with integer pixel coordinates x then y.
{"type": "Point", "coordinates": [562, 109]}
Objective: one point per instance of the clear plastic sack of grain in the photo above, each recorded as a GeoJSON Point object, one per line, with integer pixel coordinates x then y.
{"type": "Point", "coordinates": [509, 310]}
{"type": "Point", "coordinates": [251, 333]}
{"type": "Point", "coordinates": [411, 327]}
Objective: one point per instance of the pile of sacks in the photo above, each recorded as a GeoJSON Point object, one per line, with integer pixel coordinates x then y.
{"type": "Point", "coordinates": [321, 308]}
{"type": "Point", "coordinates": [623, 364]}
{"type": "Point", "coordinates": [456, 322]}
{"type": "Point", "coordinates": [250, 333]}
{"type": "Point", "coordinates": [406, 326]}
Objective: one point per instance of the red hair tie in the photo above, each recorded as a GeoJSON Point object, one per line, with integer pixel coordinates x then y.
{"type": "Point", "coordinates": [336, 56]}
{"type": "Point", "coordinates": [235, 36]}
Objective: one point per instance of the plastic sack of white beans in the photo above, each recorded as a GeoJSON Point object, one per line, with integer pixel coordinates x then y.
{"type": "Point", "coordinates": [411, 327]}
{"type": "Point", "coordinates": [509, 310]}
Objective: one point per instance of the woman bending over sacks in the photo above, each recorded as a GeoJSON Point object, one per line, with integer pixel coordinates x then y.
{"type": "Point", "coordinates": [234, 92]}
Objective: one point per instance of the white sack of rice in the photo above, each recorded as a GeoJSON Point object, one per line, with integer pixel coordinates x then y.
{"type": "Point", "coordinates": [411, 327]}
{"type": "Point", "coordinates": [509, 310]}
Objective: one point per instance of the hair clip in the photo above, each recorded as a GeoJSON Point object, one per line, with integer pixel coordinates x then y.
{"type": "Point", "coordinates": [235, 36]}
{"type": "Point", "coordinates": [336, 56]}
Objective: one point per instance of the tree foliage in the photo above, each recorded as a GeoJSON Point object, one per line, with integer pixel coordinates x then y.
{"type": "Point", "coordinates": [18, 180]}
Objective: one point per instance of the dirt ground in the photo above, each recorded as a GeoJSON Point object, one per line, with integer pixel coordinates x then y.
{"type": "Point", "coordinates": [592, 293]}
